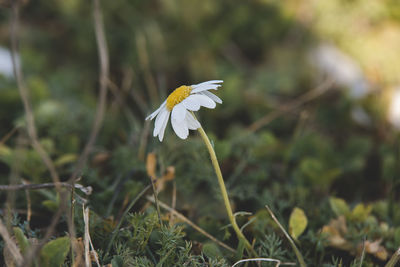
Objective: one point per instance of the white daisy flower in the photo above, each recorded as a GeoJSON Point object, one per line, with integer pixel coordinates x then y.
{"type": "Point", "coordinates": [180, 102]}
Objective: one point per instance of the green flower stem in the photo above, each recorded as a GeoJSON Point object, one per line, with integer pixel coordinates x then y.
{"type": "Point", "coordinates": [224, 192]}
{"type": "Point", "coordinates": [394, 259]}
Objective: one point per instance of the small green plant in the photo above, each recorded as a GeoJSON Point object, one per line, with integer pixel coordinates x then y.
{"type": "Point", "coordinates": [271, 247]}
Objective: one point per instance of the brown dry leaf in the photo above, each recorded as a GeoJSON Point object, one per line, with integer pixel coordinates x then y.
{"type": "Point", "coordinates": [93, 255]}
{"type": "Point", "coordinates": [160, 185]}
{"type": "Point", "coordinates": [336, 229]}
{"type": "Point", "coordinates": [173, 220]}
{"type": "Point", "coordinates": [165, 217]}
{"type": "Point", "coordinates": [151, 163]}
{"type": "Point", "coordinates": [168, 176]}
{"type": "Point", "coordinates": [376, 249]}
{"type": "Point", "coordinates": [79, 259]}
{"type": "Point", "coordinates": [125, 202]}
{"type": "Point", "coordinates": [100, 158]}
{"type": "Point", "coordinates": [334, 237]}
{"type": "Point", "coordinates": [170, 173]}
{"type": "Point", "coordinates": [340, 224]}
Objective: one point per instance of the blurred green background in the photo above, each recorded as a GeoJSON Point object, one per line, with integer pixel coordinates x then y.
{"type": "Point", "coordinates": [335, 156]}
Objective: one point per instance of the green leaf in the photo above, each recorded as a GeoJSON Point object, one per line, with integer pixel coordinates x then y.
{"type": "Point", "coordinates": [211, 250]}
{"type": "Point", "coordinates": [50, 204]}
{"type": "Point", "coordinates": [5, 151]}
{"type": "Point", "coordinates": [117, 261]}
{"type": "Point", "coordinates": [6, 154]}
{"type": "Point", "coordinates": [297, 222]}
{"type": "Point", "coordinates": [240, 249]}
{"type": "Point", "coordinates": [360, 212]}
{"type": "Point", "coordinates": [339, 206]}
{"type": "Point", "coordinates": [21, 239]}
{"type": "Point", "coordinates": [397, 237]}
{"type": "Point", "coordinates": [53, 254]}
{"type": "Point", "coordinates": [65, 159]}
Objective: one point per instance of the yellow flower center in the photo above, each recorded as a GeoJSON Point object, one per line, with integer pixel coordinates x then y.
{"type": "Point", "coordinates": [177, 96]}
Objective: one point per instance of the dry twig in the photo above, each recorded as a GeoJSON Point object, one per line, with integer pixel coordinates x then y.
{"type": "Point", "coordinates": [394, 259]}
{"type": "Point", "coordinates": [103, 80]}
{"type": "Point", "coordinates": [104, 69]}
{"type": "Point", "coordinates": [298, 102]}
{"type": "Point", "coordinates": [88, 240]}
{"type": "Point", "coordinates": [173, 202]}
{"type": "Point", "coordinates": [186, 220]}
{"type": "Point", "coordinates": [24, 93]}
{"type": "Point", "coordinates": [8, 135]}
{"type": "Point", "coordinates": [101, 106]}
{"type": "Point", "coordinates": [278, 262]}
{"type": "Point", "coordinates": [10, 244]}
{"type": "Point", "coordinates": [86, 190]}
{"type": "Point", "coordinates": [29, 205]}
{"type": "Point", "coordinates": [88, 262]}
{"type": "Point", "coordinates": [145, 64]}
{"type": "Point", "coordinates": [295, 249]}
{"type": "Point", "coordinates": [31, 128]}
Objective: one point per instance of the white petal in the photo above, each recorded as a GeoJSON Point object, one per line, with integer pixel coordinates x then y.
{"type": "Point", "coordinates": [204, 101]}
{"type": "Point", "coordinates": [180, 128]}
{"type": "Point", "coordinates": [160, 120]}
{"type": "Point", "coordinates": [152, 115]}
{"type": "Point", "coordinates": [212, 96]}
{"type": "Point", "coordinates": [207, 82]}
{"type": "Point", "coordinates": [162, 130]}
{"type": "Point", "coordinates": [205, 87]}
{"type": "Point", "coordinates": [190, 103]}
{"type": "Point", "coordinates": [191, 122]}
{"type": "Point", "coordinates": [179, 112]}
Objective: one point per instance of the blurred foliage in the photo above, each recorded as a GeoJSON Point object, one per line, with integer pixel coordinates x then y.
{"type": "Point", "coordinates": [331, 180]}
